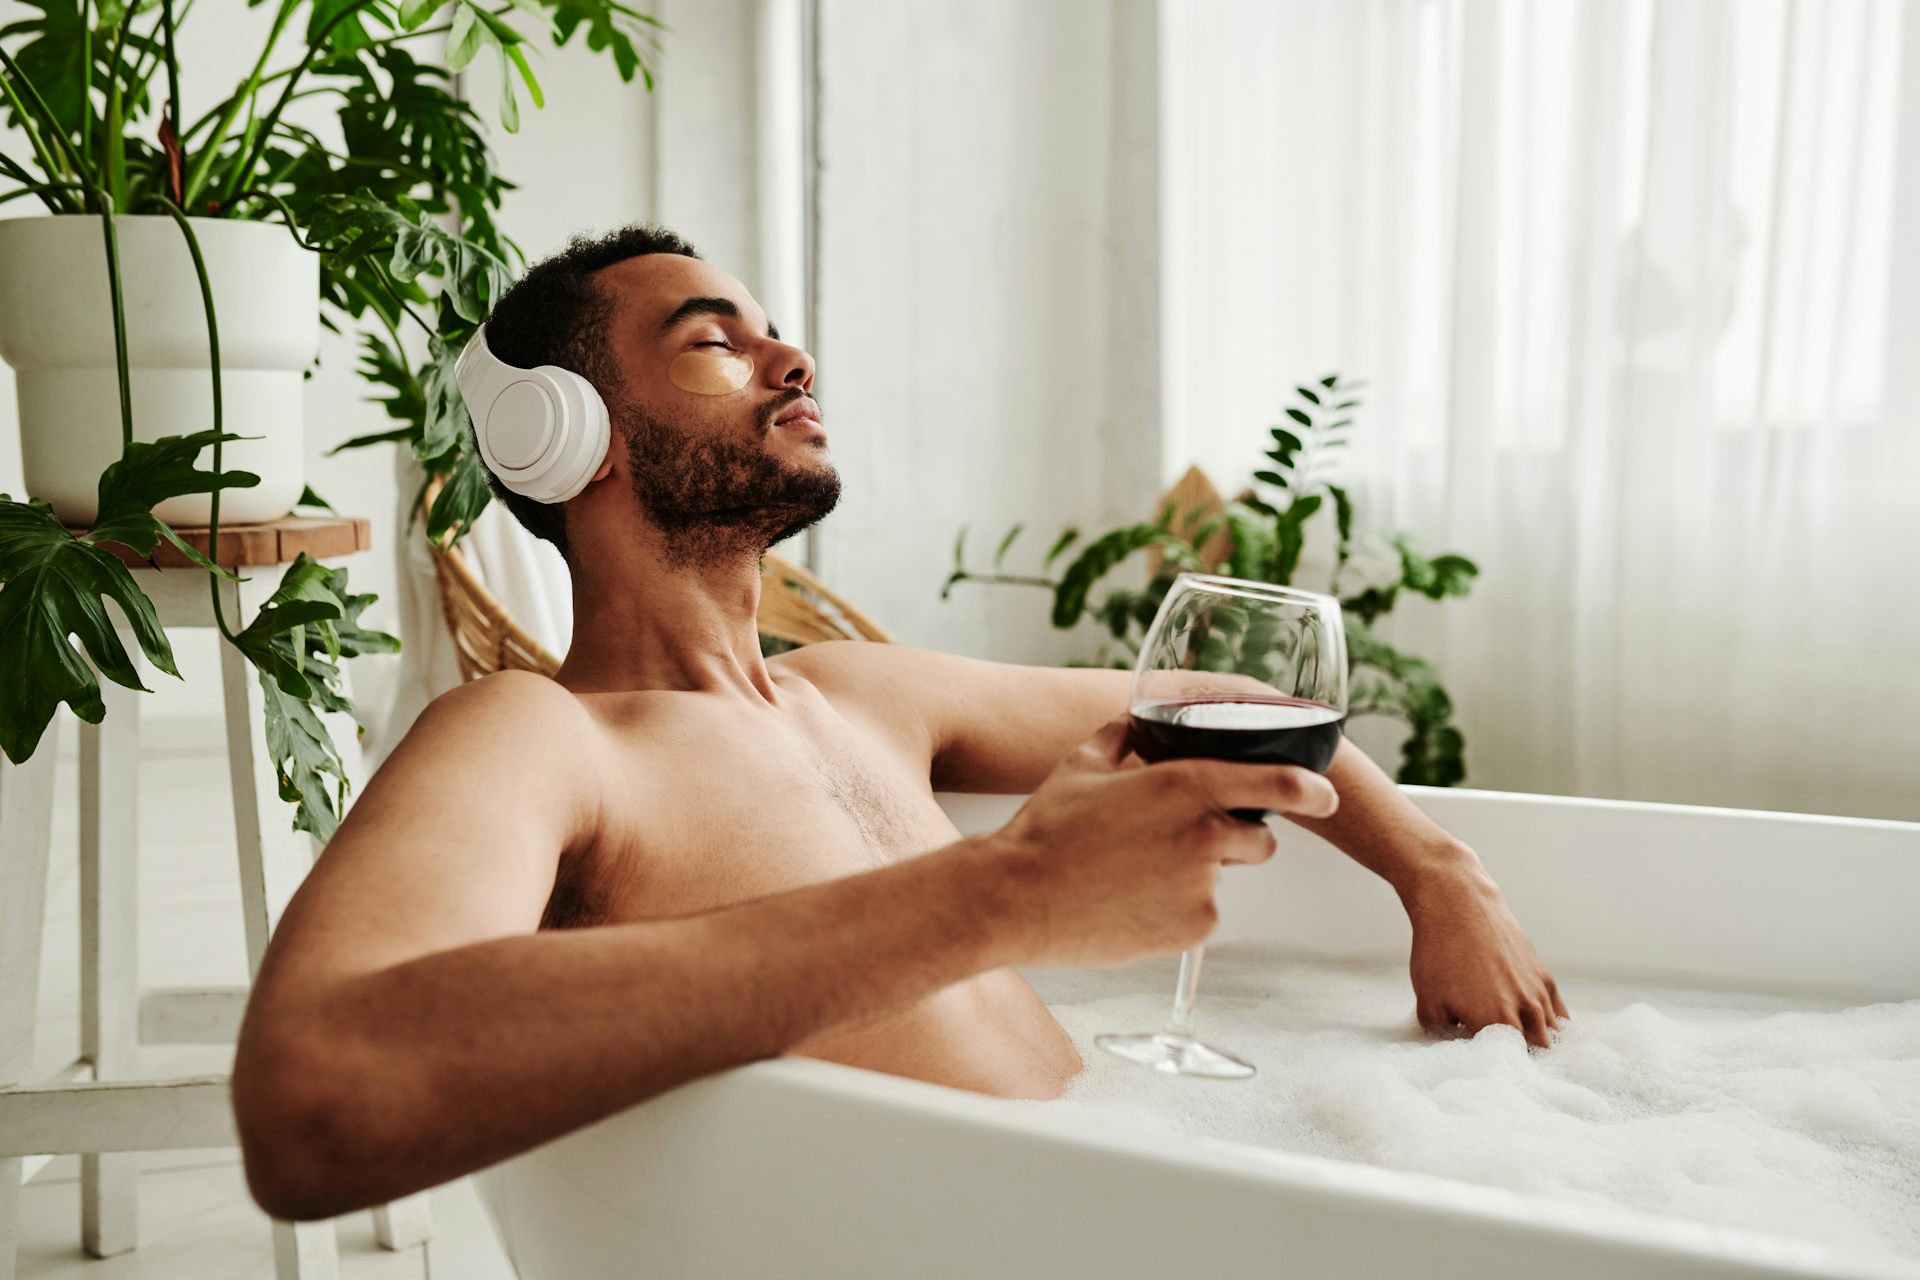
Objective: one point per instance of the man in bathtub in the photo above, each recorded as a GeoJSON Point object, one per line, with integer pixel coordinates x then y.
{"type": "Point", "coordinates": [560, 897]}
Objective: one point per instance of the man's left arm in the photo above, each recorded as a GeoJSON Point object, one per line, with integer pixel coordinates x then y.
{"type": "Point", "coordinates": [997, 727]}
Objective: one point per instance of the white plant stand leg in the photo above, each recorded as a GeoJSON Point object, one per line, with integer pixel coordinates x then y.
{"type": "Point", "coordinates": [95, 1106]}
{"type": "Point", "coordinates": [273, 859]}
{"type": "Point", "coordinates": [404, 1223]}
{"type": "Point", "coordinates": [26, 830]}
{"type": "Point", "coordinates": [109, 953]}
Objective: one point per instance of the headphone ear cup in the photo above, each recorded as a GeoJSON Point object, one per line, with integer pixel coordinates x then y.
{"type": "Point", "coordinates": [552, 426]}
{"type": "Point", "coordinates": [585, 431]}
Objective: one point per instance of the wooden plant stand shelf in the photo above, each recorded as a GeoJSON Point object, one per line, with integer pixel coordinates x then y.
{"type": "Point", "coordinates": [274, 542]}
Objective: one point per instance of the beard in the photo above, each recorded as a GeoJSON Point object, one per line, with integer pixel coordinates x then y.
{"type": "Point", "coordinates": [716, 499]}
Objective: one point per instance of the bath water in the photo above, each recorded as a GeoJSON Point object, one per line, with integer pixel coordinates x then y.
{"type": "Point", "coordinates": [1773, 1113]}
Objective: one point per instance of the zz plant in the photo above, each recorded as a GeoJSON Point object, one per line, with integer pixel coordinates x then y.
{"type": "Point", "coordinates": [1262, 536]}
{"type": "Point", "coordinates": [402, 216]}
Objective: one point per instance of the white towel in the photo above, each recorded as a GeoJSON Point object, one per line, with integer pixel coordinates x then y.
{"type": "Point", "coordinates": [525, 574]}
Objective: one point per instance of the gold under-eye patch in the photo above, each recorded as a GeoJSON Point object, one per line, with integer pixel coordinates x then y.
{"type": "Point", "coordinates": [710, 373]}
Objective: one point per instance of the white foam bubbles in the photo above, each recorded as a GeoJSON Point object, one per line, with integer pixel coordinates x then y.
{"type": "Point", "coordinates": [1772, 1113]}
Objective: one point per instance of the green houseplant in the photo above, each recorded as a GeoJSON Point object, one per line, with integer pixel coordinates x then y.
{"type": "Point", "coordinates": [1262, 535]}
{"type": "Point", "coordinates": [401, 219]}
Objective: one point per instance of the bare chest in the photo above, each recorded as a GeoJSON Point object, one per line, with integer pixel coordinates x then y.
{"type": "Point", "coordinates": [717, 813]}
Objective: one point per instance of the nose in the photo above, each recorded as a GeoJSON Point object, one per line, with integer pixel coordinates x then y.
{"type": "Point", "coordinates": [790, 367]}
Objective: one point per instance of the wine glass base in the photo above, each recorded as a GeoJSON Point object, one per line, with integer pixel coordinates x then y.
{"type": "Point", "coordinates": [1174, 1054]}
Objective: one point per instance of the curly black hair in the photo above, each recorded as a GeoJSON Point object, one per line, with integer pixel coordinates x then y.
{"type": "Point", "coordinates": [556, 314]}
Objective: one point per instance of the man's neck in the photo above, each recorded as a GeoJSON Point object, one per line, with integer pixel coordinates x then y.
{"type": "Point", "coordinates": [640, 625]}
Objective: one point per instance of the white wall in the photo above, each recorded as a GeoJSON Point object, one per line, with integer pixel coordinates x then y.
{"type": "Point", "coordinates": [981, 275]}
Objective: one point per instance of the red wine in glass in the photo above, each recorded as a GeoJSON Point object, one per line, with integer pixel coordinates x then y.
{"type": "Point", "coordinates": [1237, 670]}
{"type": "Point", "coordinates": [1247, 729]}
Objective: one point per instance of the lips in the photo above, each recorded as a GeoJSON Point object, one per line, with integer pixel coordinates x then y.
{"type": "Point", "coordinates": [802, 414]}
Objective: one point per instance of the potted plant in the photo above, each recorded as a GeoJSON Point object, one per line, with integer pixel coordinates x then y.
{"type": "Point", "coordinates": [197, 260]}
{"type": "Point", "coordinates": [1262, 535]}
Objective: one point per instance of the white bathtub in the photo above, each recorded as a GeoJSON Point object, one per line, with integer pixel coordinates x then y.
{"type": "Point", "coordinates": [805, 1170]}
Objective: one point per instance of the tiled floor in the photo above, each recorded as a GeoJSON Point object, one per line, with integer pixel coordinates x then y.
{"type": "Point", "coordinates": [196, 1221]}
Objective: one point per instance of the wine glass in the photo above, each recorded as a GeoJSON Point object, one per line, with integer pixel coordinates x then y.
{"type": "Point", "coordinates": [1231, 670]}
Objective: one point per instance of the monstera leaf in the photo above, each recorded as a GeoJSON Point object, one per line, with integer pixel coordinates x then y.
{"type": "Point", "coordinates": [296, 642]}
{"type": "Point", "coordinates": [349, 229]}
{"type": "Point", "coordinates": [48, 43]}
{"type": "Point", "coordinates": [54, 585]}
{"type": "Point", "coordinates": [611, 27]}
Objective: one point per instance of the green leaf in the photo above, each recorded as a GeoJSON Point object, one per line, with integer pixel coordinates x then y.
{"type": "Point", "coordinates": [414, 13]}
{"type": "Point", "coordinates": [464, 40]}
{"type": "Point", "coordinates": [53, 589]}
{"type": "Point", "coordinates": [361, 226]}
{"type": "Point", "coordinates": [526, 75]}
{"type": "Point", "coordinates": [348, 32]}
{"type": "Point", "coordinates": [960, 547]}
{"type": "Point", "coordinates": [150, 472]}
{"type": "Point", "coordinates": [1000, 553]}
{"type": "Point", "coordinates": [406, 134]}
{"type": "Point", "coordinates": [1059, 546]}
{"type": "Point", "coordinates": [307, 765]}
{"type": "Point", "coordinates": [1370, 604]}
{"type": "Point", "coordinates": [46, 46]}
{"type": "Point", "coordinates": [1434, 751]}
{"type": "Point", "coordinates": [1253, 543]}
{"type": "Point", "coordinates": [1116, 612]}
{"type": "Point", "coordinates": [147, 474]}
{"type": "Point", "coordinates": [1343, 515]}
{"type": "Point", "coordinates": [1288, 543]}
{"type": "Point", "coordinates": [1438, 578]}
{"type": "Point", "coordinates": [1343, 525]}
{"type": "Point", "coordinates": [610, 27]}
{"type": "Point", "coordinates": [509, 105]}
{"type": "Point", "coordinates": [296, 641]}
{"type": "Point", "coordinates": [444, 418]}
{"type": "Point", "coordinates": [1309, 460]}
{"type": "Point", "coordinates": [54, 584]}
{"type": "Point", "coordinates": [1308, 394]}
{"type": "Point", "coordinates": [1097, 560]}
{"type": "Point", "coordinates": [462, 499]}
{"type": "Point", "coordinates": [373, 437]}
{"type": "Point", "coordinates": [308, 498]}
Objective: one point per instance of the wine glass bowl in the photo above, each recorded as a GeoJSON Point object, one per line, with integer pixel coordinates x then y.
{"type": "Point", "coordinates": [1241, 671]}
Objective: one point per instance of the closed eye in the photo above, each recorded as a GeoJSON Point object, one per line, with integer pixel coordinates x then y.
{"type": "Point", "coordinates": [724, 346]}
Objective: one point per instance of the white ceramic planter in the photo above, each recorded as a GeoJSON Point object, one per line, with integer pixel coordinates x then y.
{"type": "Point", "coordinates": [56, 330]}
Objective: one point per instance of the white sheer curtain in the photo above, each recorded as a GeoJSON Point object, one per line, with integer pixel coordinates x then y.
{"type": "Point", "coordinates": [1637, 288]}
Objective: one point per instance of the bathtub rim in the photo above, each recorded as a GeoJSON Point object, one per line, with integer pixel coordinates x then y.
{"type": "Point", "coordinates": [1405, 1195]}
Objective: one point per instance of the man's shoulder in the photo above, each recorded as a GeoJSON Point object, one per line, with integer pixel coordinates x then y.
{"type": "Point", "coordinates": [507, 708]}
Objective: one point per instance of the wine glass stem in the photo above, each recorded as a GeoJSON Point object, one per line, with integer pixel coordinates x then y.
{"type": "Point", "coordinates": [1181, 1023]}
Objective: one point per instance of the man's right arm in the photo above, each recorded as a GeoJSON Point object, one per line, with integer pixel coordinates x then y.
{"type": "Point", "coordinates": [410, 1025]}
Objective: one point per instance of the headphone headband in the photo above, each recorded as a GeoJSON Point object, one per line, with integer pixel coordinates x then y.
{"type": "Point", "coordinates": [542, 432]}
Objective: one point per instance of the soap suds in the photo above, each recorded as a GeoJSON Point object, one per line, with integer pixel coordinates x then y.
{"type": "Point", "coordinates": [1772, 1113]}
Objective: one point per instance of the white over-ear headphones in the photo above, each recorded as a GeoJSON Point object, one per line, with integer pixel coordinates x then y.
{"type": "Point", "coordinates": [542, 432]}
